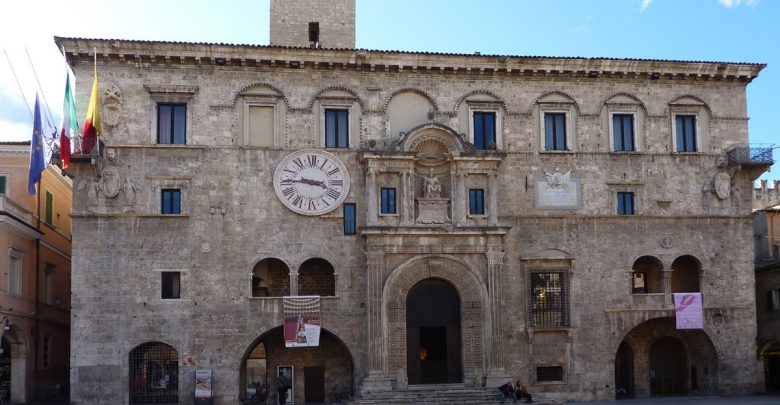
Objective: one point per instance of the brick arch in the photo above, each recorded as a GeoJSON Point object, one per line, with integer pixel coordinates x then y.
{"type": "Point", "coordinates": [409, 90]}
{"type": "Point", "coordinates": [555, 92]}
{"type": "Point", "coordinates": [472, 290]}
{"type": "Point", "coordinates": [346, 89]}
{"type": "Point", "coordinates": [496, 98]}
{"type": "Point", "coordinates": [704, 104]}
{"type": "Point", "coordinates": [639, 102]}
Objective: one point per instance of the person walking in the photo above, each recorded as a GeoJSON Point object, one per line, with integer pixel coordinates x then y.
{"type": "Point", "coordinates": [521, 392]}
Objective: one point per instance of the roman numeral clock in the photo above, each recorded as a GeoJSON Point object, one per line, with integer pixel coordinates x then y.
{"type": "Point", "coordinates": [311, 182]}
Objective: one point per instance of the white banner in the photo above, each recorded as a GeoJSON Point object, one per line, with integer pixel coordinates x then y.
{"type": "Point", "coordinates": [689, 311]}
{"type": "Point", "coordinates": [302, 321]}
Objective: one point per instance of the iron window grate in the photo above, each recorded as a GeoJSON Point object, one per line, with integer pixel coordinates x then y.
{"type": "Point", "coordinates": [549, 373]}
{"type": "Point", "coordinates": [549, 299]}
{"type": "Point", "coordinates": [154, 374]}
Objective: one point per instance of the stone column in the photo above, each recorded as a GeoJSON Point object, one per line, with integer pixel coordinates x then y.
{"type": "Point", "coordinates": [667, 283]}
{"type": "Point", "coordinates": [493, 198]}
{"type": "Point", "coordinates": [494, 353]}
{"type": "Point", "coordinates": [407, 201]}
{"type": "Point", "coordinates": [293, 283]}
{"type": "Point", "coordinates": [377, 379]}
{"type": "Point", "coordinates": [373, 215]}
{"type": "Point", "coordinates": [460, 200]}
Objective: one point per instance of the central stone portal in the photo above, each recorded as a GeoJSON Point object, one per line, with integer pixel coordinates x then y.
{"type": "Point", "coordinates": [433, 338]}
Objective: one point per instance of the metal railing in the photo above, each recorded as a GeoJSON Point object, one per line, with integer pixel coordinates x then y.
{"type": "Point", "coordinates": [751, 155]}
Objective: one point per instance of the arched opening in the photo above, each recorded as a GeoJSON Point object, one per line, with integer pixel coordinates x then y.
{"type": "Point", "coordinates": [154, 374]}
{"type": "Point", "coordinates": [668, 365]}
{"type": "Point", "coordinates": [314, 372]}
{"type": "Point", "coordinates": [624, 371]}
{"type": "Point", "coordinates": [433, 335]}
{"type": "Point", "coordinates": [647, 276]}
{"type": "Point", "coordinates": [685, 274]}
{"type": "Point", "coordinates": [317, 277]}
{"type": "Point", "coordinates": [270, 278]}
{"type": "Point", "coordinates": [772, 368]}
{"type": "Point", "coordinates": [5, 371]}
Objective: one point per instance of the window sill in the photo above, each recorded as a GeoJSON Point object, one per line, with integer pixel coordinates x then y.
{"type": "Point", "coordinates": [164, 215]}
{"type": "Point", "coordinates": [688, 153]}
{"type": "Point", "coordinates": [625, 152]}
{"type": "Point", "coordinates": [477, 216]}
{"type": "Point", "coordinates": [550, 383]}
{"type": "Point", "coordinates": [557, 152]}
{"type": "Point", "coordinates": [389, 215]}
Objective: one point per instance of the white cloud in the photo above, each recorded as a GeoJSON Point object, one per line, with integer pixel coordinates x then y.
{"type": "Point", "coordinates": [645, 3]}
{"type": "Point", "coordinates": [737, 3]}
{"type": "Point", "coordinates": [14, 131]}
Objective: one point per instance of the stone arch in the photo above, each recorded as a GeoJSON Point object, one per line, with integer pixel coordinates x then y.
{"type": "Point", "coordinates": [153, 373]}
{"type": "Point", "coordinates": [552, 94]}
{"type": "Point", "coordinates": [474, 308]}
{"type": "Point", "coordinates": [270, 278]}
{"type": "Point", "coordinates": [333, 352]}
{"type": "Point", "coordinates": [496, 98]}
{"type": "Point", "coordinates": [317, 276]}
{"type": "Point", "coordinates": [241, 92]}
{"type": "Point", "coordinates": [698, 101]}
{"type": "Point", "coordinates": [636, 100]}
{"type": "Point", "coordinates": [435, 143]}
{"type": "Point", "coordinates": [647, 275]}
{"type": "Point", "coordinates": [686, 274]}
{"type": "Point", "coordinates": [346, 89]}
{"type": "Point", "coordinates": [409, 90]}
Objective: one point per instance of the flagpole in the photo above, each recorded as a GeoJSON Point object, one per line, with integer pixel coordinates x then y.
{"type": "Point", "coordinates": [97, 138]}
{"type": "Point", "coordinates": [17, 84]}
{"type": "Point", "coordinates": [51, 117]}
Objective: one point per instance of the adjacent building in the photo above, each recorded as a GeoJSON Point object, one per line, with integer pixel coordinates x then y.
{"type": "Point", "coordinates": [464, 218]}
{"type": "Point", "coordinates": [766, 231]}
{"type": "Point", "coordinates": [35, 249]}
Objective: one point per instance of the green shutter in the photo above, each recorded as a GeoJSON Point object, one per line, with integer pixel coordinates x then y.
{"type": "Point", "coordinates": [49, 205]}
{"type": "Point", "coordinates": [3, 180]}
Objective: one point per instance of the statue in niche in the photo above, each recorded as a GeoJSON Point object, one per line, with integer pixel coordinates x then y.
{"type": "Point", "coordinates": [432, 186]}
{"type": "Point", "coordinates": [558, 180]}
{"type": "Point", "coordinates": [129, 189]}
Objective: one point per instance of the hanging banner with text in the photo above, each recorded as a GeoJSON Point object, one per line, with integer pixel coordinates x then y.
{"type": "Point", "coordinates": [302, 321]}
{"type": "Point", "coordinates": [688, 310]}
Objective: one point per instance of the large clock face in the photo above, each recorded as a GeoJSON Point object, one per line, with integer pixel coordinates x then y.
{"type": "Point", "coordinates": [311, 182]}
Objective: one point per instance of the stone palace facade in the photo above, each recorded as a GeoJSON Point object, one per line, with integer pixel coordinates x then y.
{"type": "Point", "coordinates": [465, 219]}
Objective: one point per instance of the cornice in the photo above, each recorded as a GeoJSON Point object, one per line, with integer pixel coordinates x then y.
{"type": "Point", "coordinates": [227, 56]}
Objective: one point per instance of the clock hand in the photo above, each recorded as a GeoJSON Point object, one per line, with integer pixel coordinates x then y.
{"type": "Point", "coordinates": [311, 182]}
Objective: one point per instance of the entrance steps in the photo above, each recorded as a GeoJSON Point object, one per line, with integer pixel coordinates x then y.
{"type": "Point", "coordinates": [436, 394]}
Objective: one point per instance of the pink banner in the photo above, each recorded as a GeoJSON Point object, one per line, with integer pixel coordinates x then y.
{"type": "Point", "coordinates": [688, 310]}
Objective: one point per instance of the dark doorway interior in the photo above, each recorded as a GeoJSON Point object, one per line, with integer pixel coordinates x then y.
{"type": "Point", "coordinates": [772, 373]}
{"type": "Point", "coordinates": [314, 381]}
{"type": "Point", "coordinates": [668, 367]}
{"type": "Point", "coordinates": [624, 372]}
{"type": "Point", "coordinates": [433, 333]}
{"type": "Point", "coordinates": [5, 371]}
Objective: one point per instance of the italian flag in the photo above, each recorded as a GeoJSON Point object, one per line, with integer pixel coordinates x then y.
{"type": "Point", "coordinates": [92, 123]}
{"type": "Point", "coordinates": [70, 125]}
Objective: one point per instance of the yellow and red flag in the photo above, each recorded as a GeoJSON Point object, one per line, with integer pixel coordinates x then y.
{"type": "Point", "coordinates": [92, 123]}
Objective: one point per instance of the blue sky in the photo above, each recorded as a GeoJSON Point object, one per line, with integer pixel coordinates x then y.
{"type": "Point", "coordinates": [710, 30]}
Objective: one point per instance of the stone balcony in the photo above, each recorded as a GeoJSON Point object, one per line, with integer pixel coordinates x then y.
{"type": "Point", "coordinates": [752, 155]}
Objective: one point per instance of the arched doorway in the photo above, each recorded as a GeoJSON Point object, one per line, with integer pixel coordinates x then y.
{"type": "Point", "coordinates": [772, 368]}
{"type": "Point", "coordinates": [668, 365]}
{"type": "Point", "coordinates": [154, 374]}
{"type": "Point", "coordinates": [433, 333]}
{"type": "Point", "coordinates": [5, 371]}
{"type": "Point", "coordinates": [624, 371]}
{"type": "Point", "coordinates": [314, 371]}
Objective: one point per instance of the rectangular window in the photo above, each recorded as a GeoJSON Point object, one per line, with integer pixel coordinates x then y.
{"type": "Point", "coordinates": [49, 207]}
{"type": "Point", "coordinates": [48, 284]}
{"type": "Point", "coordinates": [46, 351]}
{"type": "Point", "coordinates": [623, 129]}
{"type": "Point", "coordinates": [350, 219]}
{"type": "Point", "coordinates": [314, 32]}
{"type": "Point", "coordinates": [388, 201]}
{"type": "Point", "coordinates": [773, 300]}
{"type": "Point", "coordinates": [261, 126]}
{"type": "Point", "coordinates": [625, 203]}
{"type": "Point", "coordinates": [336, 128]}
{"type": "Point", "coordinates": [549, 300]}
{"type": "Point", "coordinates": [171, 201]}
{"type": "Point", "coordinates": [3, 184]}
{"type": "Point", "coordinates": [553, 373]}
{"type": "Point", "coordinates": [15, 276]}
{"type": "Point", "coordinates": [477, 201]}
{"type": "Point", "coordinates": [171, 124]}
{"type": "Point", "coordinates": [171, 284]}
{"type": "Point", "coordinates": [555, 131]}
{"type": "Point", "coordinates": [639, 283]}
{"type": "Point", "coordinates": [686, 133]}
{"type": "Point", "coordinates": [484, 130]}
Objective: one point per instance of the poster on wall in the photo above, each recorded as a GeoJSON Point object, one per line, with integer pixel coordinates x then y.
{"type": "Point", "coordinates": [203, 384]}
{"type": "Point", "coordinates": [302, 321]}
{"type": "Point", "coordinates": [688, 311]}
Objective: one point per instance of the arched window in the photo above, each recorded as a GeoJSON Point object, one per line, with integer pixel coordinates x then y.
{"type": "Point", "coordinates": [316, 277]}
{"type": "Point", "coordinates": [154, 374]}
{"type": "Point", "coordinates": [270, 278]}
{"type": "Point", "coordinates": [646, 276]}
{"type": "Point", "coordinates": [257, 374]}
{"type": "Point", "coordinates": [685, 275]}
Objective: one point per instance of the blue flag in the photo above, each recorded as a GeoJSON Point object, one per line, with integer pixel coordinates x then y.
{"type": "Point", "coordinates": [37, 162]}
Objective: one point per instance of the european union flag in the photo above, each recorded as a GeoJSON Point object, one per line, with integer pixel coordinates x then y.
{"type": "Point", "coordinates": [37, 161]}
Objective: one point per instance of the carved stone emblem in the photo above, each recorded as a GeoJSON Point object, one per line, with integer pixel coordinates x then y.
{"type": "Point", "coordinates": [666, 243]}
{"type": "Point", "coordinates": [112, 105]}
{"type": "Point", "coordinates": [558, 180]}
{"type": "Point", "coordinates": [432, 186]}
{"type": "Point", "coordinates": [129, 189]}
{"type": "Point", "coordinates": [109, 181]}
{"type": "Point", "coordinates": [721, 184]}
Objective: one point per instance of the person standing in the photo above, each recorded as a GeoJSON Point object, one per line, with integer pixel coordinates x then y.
{"type": "Point", "coordinates": [521, 392]}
